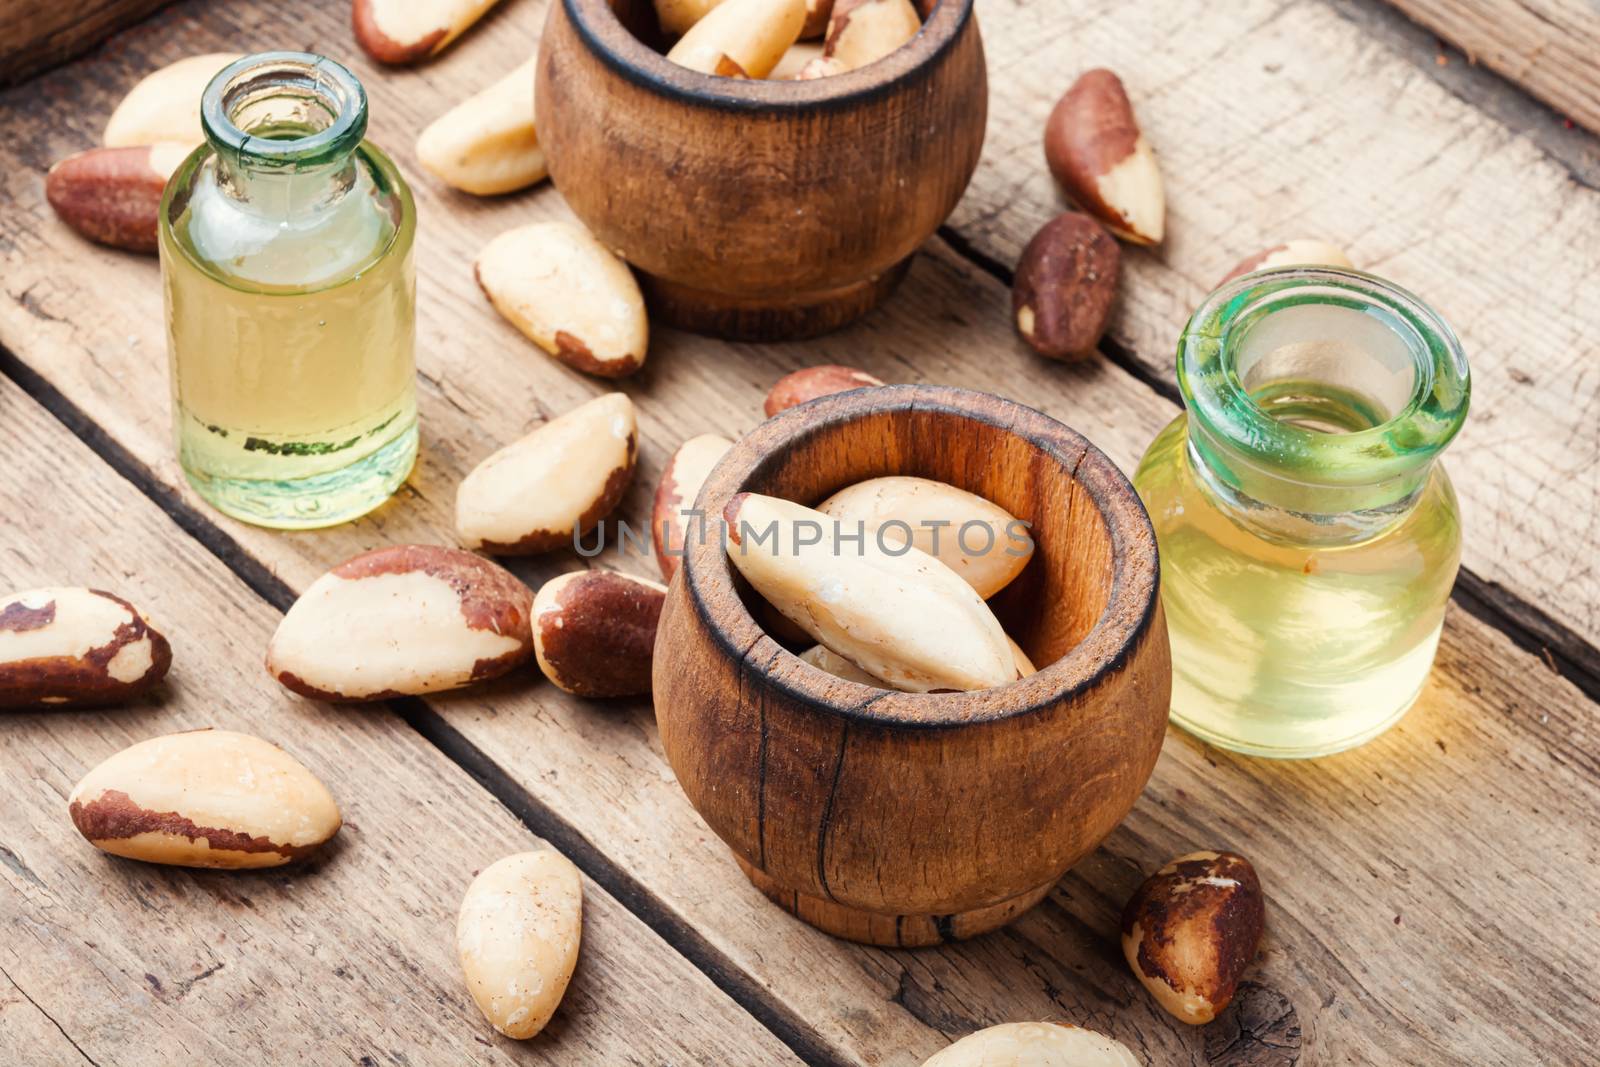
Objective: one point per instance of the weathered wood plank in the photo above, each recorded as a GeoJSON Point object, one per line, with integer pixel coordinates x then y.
{"type": "Point", "coordinates": [1275, 119]}
{"type": "Point", "coordinates": [349, 959]}
{"type": "Point", "coordinates": [35, 36]}
{"type": "Point", "coordinates": [1332, 943]}
{"type": "Point", "coordinates": [1549, 47]}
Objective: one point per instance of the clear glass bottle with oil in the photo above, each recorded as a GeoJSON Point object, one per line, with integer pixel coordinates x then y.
{"type": "Point", "coordinates": [286, 258]}
{"type": "Point", "coordinates": [1309, 539]}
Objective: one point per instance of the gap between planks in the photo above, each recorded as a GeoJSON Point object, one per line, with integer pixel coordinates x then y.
{"type": "Point", "coordinates": [1524, 624]}
{"type": "Point", "coordinates": [680, 935]}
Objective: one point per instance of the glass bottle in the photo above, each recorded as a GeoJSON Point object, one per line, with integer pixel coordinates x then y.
{"type": "Point", "coordinates": [286, 260]}
{"type": "Point", "coordinates": [1308, 538]}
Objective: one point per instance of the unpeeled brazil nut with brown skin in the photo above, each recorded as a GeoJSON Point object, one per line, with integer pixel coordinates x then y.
{"type": "Point", "coordinates": [205, 798]}
{"type": "Point", "coordinates": [1035, 1045]}
{"type": "Point", "coordinates": [594, 632]}
{"type": "Point", "coordinates": [1065, 284]}
{"type": "Point", "coordinates": [1095, 149]}
{"type": "Point", "coordinates": [1191, 929]}
{"type": "Point", "coordinates": [808, 383]}
{"type": "Point", "coordinates": [402, 621]}
{"type": "Point", "coordinates": [64, 647]}
{"type": "Point", "coordinates": [539, 493]}
{"type": "Point", "coordinates": [568, 294]}
{"type": "Point", "coordinates": [672, 517]}
{"type": "Point", "coordinates": [1300, 252]}
{"type": "Point", "coordinates": [113, 195]}
{"type": "Point", "coordinates": [406, 31]}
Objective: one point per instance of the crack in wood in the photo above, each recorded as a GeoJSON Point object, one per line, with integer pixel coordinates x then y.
{"type": "Point", "coordinates": [37, 1007]}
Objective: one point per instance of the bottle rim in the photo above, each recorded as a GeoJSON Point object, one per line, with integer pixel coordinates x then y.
{"type": "Point", "coordinates": [303, 74]}
{"type": "Point", "coordinates": [1406, 442]}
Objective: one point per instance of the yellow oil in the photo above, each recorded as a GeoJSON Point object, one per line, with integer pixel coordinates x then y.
{"type": "Point", "coordinates": [290, 335]}
{"type": "Point", "coordinates": [1287, 648]}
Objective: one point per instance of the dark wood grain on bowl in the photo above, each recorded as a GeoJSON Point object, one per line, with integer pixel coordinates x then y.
{"type": "Point", "coordinates": [902, 818]}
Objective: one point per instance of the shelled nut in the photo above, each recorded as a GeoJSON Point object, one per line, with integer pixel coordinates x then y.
{"type": "Point", "coordinates": [672, 517]}
{"type": "Point", "coordinates": [1191, 929]}
{"type": "Point", "coordinates": [905, 618]}
{"type": "Point", "coordinates": [568, 294]}
{"type": "Point", "coordinates": [977, 539]}
{"type": "Point", "coordinates": [752, 34]}
{"type": "Point", "coordinates": [864, 31]}
{"type": "Point", "coordinates": [405, 31]}
{"type": "Point", "coordinates": [68, 647]}
{"type": "Point", "coordinates": [113, 195]}
{"type": "Point", "coordinates": [808, 383]}
{"type": "Point", "coordinates": [205, 798]}
{"type": "Point", "coordinates": [594, 632]}
{"type": "Point", "coordinates": [165, 105]}
{"type": "Point", "coordinates": [486, 144]}
{"type": "Point", "coordinates": [1035, 1045]}
{"type": "Point", "coordinates": [538, 493]}
{"type": "Point", "coordinates": [677, 17]}
{"type": "Point", "coordinates": [1103, 161]}
{"type": "Point", "coordinates": [1300, 252]}
{"type": "Point", "coordinates": [402, 620]}
{"type": "Point", "coordinates": [1066, 282]}
{"type": "Point", "coordinates": [517, 937]}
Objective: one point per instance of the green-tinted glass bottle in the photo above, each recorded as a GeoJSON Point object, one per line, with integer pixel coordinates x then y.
{"type": "Point", "coordinates": [1308, 538]}
{"type": "Point", "coordinates": [286, 258]}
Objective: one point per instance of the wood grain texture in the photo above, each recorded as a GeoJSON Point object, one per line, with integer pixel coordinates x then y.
{"type": "Point", "coordinates": [759, 209]}
{"type": "Point", "coordinates": [1469, 820]}
{"type": "Point", "coordinates": [350, 956]}
{"type": "Point", "coordinates": [1549, 47]}
{"type": "Point", "coordinates": [1274, 119]}
{"type": "Point", "coordinates": [35, 36]}
{"type": "Point", "coordinates": [894, 818]}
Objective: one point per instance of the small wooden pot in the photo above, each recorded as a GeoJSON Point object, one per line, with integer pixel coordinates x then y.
{"type": "Point", "coordinates": [909, 819]}
{"type": "Point", "coordinates": [759, 210]}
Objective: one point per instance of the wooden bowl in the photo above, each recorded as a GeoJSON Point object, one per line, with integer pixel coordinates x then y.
{"type": "Point", "coordinates": [752, 209]}
{"type": "Point", "coordinates": [903, 818]}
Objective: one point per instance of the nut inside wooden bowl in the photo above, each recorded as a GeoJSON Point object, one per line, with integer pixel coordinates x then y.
{"type": "Point", "coordinates": [910, 818]}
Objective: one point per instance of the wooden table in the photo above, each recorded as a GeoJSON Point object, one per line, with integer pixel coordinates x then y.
{"type": "Point", "coordinates": [1434, 897]}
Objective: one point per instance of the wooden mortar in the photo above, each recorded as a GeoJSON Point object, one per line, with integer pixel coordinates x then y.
{"type": "Point", "coordinates": [909, 819]}
{"type": "Point", "coordinates": [751, 209]}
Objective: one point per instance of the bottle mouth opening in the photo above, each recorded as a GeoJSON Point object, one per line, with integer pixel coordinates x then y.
{"type": "Point", "coordinates": [284, 109]}
{"type": "Point", "coordinates": [1323, 376]}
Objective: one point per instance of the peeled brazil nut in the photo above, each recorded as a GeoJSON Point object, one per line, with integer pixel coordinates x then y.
{"type": "Point", "coordinates": [1191, 929]}
{"type": "Point", "coordinates": [206, 798]}
{"type": "Point", "coordinates": [978, 540]}
{"type": "Point", "coordinates": [827, 660]}
{"type": "Point", "coordinates": [557, 483]}
{"type": "Point", "coordinates": [113, 195]}
{"type": "Point", "coordinates": [1035, 1045]}
{"type": "Point", "coordinates": [569, 295]}
{"type": "Point", "coordinates": [165, 105]}
{"type": "Point", "coordinates": [71, 647]}
{"type": "Point", "coordinates": [794, 62]}
{"type": "Point", "coordinates": [1301, 252]}
{"type": "Point", "coordinates": [594, 632]}
{"type": "Point", "coordinates": [753, 35]}
{"type": "Point", "coordinates": [486, 144]}
{"type": "Point", "coordinates": [405, 31]}
{"type": "Point", "coordinates": [808, 383]}
{"type": "Point", "coordinates": [864, 31]}
{"type": "Point", "coordinates": [517, 937]}
{"type": "Point", "coordinates": [1095, 149]}
{"type": "Point", "coordinates": [672, 518]}
{"type": "Point", "coordinates": [1065, 284]}
{"type": "Point", "coordinates": [677, 16]}
{"type": "Point", "coordinates": [899, 614]}
{"type": "Point", "coordinates": [402, 620]}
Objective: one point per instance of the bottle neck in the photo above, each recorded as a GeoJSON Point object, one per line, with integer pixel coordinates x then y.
{"type": "Point", "coordinates": [285, 127]}
{"type": "Point", "coordinates": [1318, 401]}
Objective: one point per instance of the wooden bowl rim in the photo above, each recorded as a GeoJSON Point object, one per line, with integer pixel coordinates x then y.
{"type": "Point", "coordinates": [598, 27]}
{"type": "Point", "coordinates": [1130, 609]}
